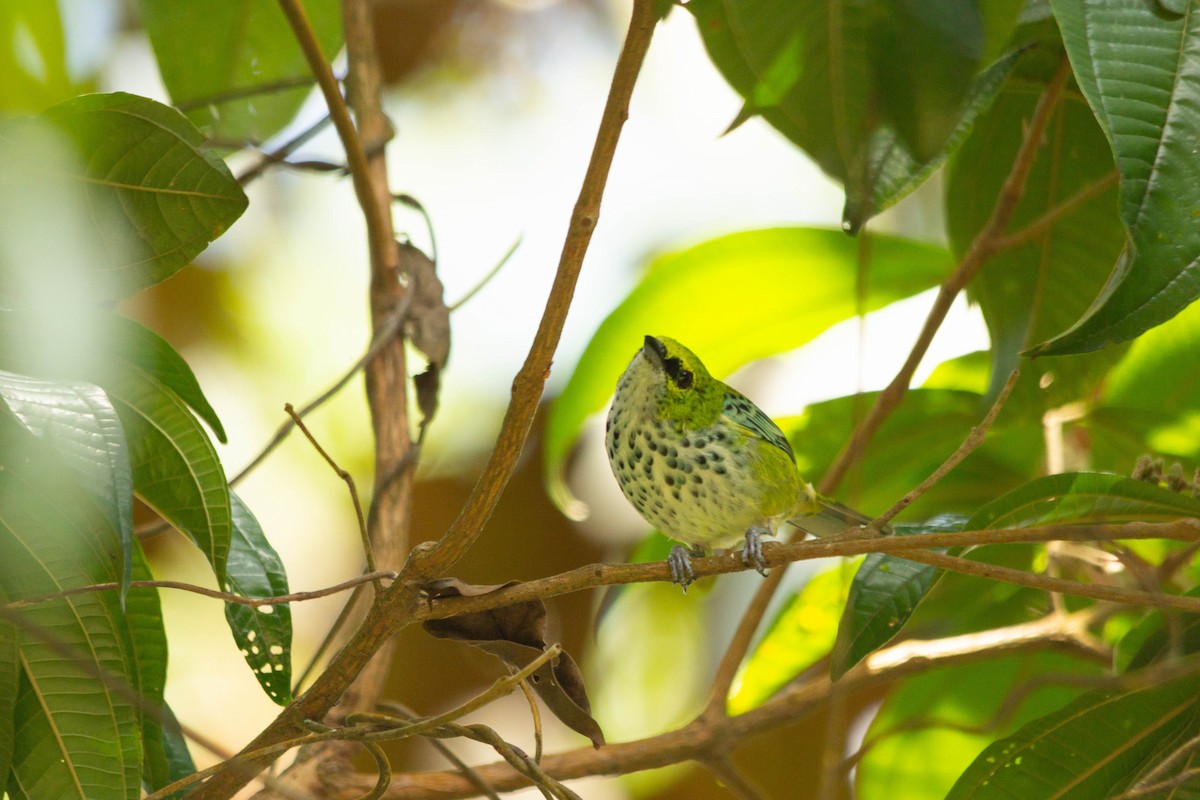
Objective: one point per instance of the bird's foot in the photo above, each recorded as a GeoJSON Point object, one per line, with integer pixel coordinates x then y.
{"type": "Point", "coordinates": [752, 555]}
{"type": "Point", "coordinates": [680, 562]}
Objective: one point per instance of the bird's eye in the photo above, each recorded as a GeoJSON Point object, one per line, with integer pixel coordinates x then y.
{"type": "Point", "coordinates": [684, 379]}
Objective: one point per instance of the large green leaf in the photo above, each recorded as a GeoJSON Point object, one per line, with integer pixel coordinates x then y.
{"type": "Point", "coordinates": [893, 172]}
{"type": "Point", "coordinates": [34, 58]}
{"type": "Point", "coordinates": [78, 421]}
{"type": "Point", "coordinates": [1091, 748]}
{"type": "Point", "coordinates": [732, 300]}
{"type": "Point", "coordinates": [800, 636]}
{"type": "Point", "coordinates": [263, 633]}
{"type": "Point", "coordinates": [1139, 67]}
{"type": "Point", "coordinates": [1033, 291]}
{"type": "Point", "coordinates": [176, 470]}
{"type": "Point", "coordinates": [933, 725]}
{"type": "Point", "coordinates": [122, 181]}
{"type": "Point", "coordinates": [77, 732]}
{"type": "Point", "coordinates": [803, 65]}
{"type": "Point", "coordinates": [248, 48]}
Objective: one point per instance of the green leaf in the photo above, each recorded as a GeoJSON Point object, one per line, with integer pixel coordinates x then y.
{"type": "Point", "coordinates": [1084, 496]}
{"type": "Point", "coordinates": [893, 172]}
{"type": "Point", "coordinates": [263, 633]}
{"type": "Point", "coordinates": [95, 346]}
{"type": "Point", "coordinates": [140, 348]}
{"type": "Point", "coordinates": [1091, 748]}
{"type": "Point", "coordinates": [148, 661]}
{"type": "Point", "coordinates": [1138, 69]}
{"type": "Point", "coordinates": [732, 300]}
{"type": "Point", "coordinates": [78, 422]}
{"type": "Point", "coordinates": [955, 712]}
{"type": "Point", "coordinates": [803, 66]}
{"type": "Point", "coordinates": [115, 181]}
{"type": "Point", "coordinates": [1033, 291]}
{"type": "Point", "coordinates": [800, 636]}
{"type": "Point", "coordinates": [175, 467]}
{"type": "Point", "coordinates": [78, 734]}
{"type": "Point", "coordinates": [248, 48]}
{"type": "Point", "coordinates": [34, 58]}
{"type": "Point", "coordinates": [10, 677]}
{"type": "Point", "coordinates": [925, 56]}
{"type": "Point", "coordinates": [1152, 640]}
{"type": "Point", "coordinates": [884, 593]}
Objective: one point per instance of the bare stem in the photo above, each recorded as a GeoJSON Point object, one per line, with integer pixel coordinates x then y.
{"type": "Point", "coordinates": [295, 597]}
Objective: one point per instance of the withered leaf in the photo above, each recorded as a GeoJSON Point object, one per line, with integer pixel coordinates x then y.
{"type": "Point", "coordinates": [427, 324]}
{"type": "Point", "coordinates": [517, 635]}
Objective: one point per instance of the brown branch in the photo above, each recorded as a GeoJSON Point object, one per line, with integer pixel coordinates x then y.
{"type": "Point", "coordinates": [295, 597]}
{"type": "Point", "coordinates": [778, 555]}
{"type": "Point", "coordinates": [982, 248]}
{"type": "Point", "coordinates": [700, 739]}
{"type": "Point", "coordinates": [348, 479]}
{"type": "Point", "coordinates": [530, 380]}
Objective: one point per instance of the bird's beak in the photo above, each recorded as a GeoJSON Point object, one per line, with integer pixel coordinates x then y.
{"type": "Point", "coordinates": [655, 351]}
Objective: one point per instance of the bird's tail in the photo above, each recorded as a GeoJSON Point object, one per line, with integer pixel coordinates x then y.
{"type": "Point", "coordinates": [823, 517]}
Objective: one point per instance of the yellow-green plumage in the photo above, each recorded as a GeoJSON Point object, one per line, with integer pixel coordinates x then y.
{"type": "Point", "coordinates": [701, 462]}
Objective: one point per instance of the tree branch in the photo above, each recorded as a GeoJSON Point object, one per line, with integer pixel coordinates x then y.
{"type": "Point", "coordinates": [700, 739]}
{"type": "Point", "coordinates": [530, 380]}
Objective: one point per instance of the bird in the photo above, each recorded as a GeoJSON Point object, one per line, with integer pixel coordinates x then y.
{"type": "Point", "coordinates": [704, 465]}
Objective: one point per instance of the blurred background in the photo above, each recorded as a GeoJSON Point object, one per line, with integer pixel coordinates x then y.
{"type": "Point", "coordinates": [495, 105]}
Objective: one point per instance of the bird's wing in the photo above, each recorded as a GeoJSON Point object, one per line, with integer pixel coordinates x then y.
{"type": "Point", "coordinates": [740, 411]}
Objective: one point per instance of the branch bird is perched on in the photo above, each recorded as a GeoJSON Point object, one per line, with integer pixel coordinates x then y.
{"type": "Point", "coordinates": [704, 465]}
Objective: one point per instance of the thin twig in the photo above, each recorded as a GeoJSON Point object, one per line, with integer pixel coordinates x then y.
{"type": "Point", "coordinates": [284, 150]}
{"type": "Point", "coordinates": [1162, 787]}
{"type": "Point", "coordinates": [382, 337]}
{"type": "Point", "coordinates": [973, 440]}
{"type": "Point", "coordinates": [342, 618]}
{"type": "Point", "coordinates": [401, 728]}
{"type": "Point", "coordinates": [486, 279]}
{"type": "Point", "coordinates": [238, 599]}
{"type": "Point", "coordinates": [243, 92]}
{"type": "Point", "coordinates": [537, 720]}
{"type": "Point", "coordinates": [349, 480]}
{"type": "Point", "coordinates": [466, 769]}
{"type": "Point", "coordinates": [1053, 216]}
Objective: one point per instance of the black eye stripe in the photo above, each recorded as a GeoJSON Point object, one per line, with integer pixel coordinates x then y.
{"type": "Point", "coordinates": [675, 371]}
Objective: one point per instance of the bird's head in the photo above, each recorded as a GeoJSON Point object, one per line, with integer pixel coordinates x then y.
{"type": "Point", "coordinates": [681, 388]}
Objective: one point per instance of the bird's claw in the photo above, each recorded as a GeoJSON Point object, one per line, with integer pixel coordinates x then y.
{"type": "Point", "coordinates": [680, 562]}
{"type": "Point", "coordinates": [752, 554]}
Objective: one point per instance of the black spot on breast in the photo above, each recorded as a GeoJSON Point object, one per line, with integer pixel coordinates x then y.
{"type": "Point", "coordinates": [686, 442]}
{"type": "Point", "coordinates": [670, 481]}
{"type": "Point", "coordinates": [697, 479]}
{"type": "Point", "coordinates": [637, 454]}
{"type": "Point", "coordinates": [675, 494]}
{"type": "Point", "coordinates": [673, 463]}
{"type": "Point", "coordinates": [701, 442]}
{"type": "Point", "coordinates": [719, 470]}
{"type": "Point", "coordinates": [702, 460]}
{"type": "Point", "coordinates": [653, 445]}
